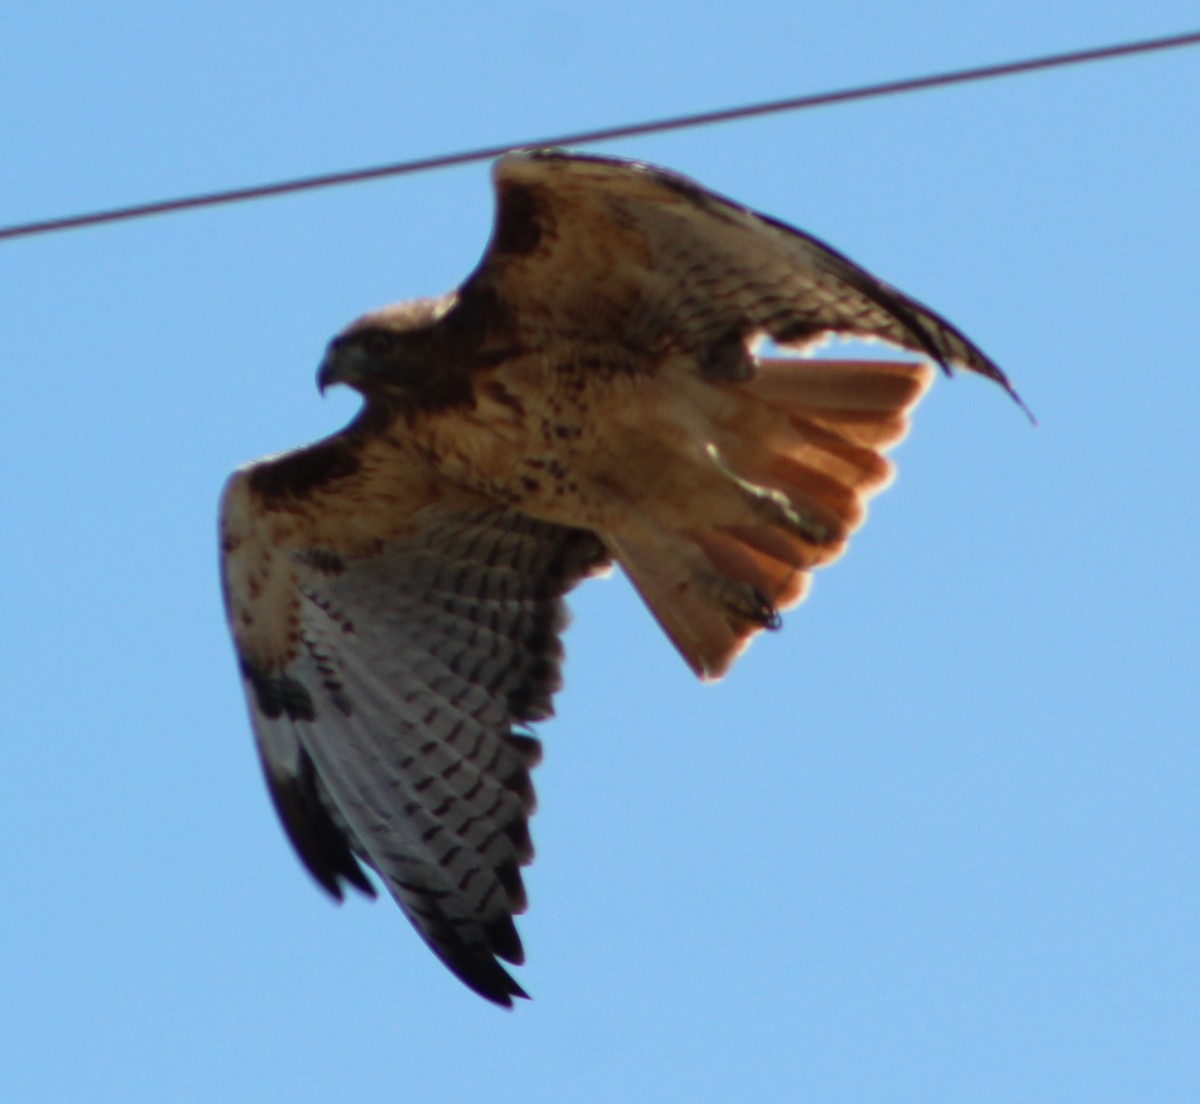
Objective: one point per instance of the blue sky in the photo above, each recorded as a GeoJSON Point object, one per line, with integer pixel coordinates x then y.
{"type": "Point", "coordinates": [936, 841]}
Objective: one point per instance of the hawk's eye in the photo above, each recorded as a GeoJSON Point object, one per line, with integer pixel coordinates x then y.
{"type": "Point", "coordinates": [374, 343]}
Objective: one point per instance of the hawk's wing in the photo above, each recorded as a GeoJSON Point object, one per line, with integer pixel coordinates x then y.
{"type": "Point", "coordinates": [622, 247]}
{"type": "Point", "coordinates": [385, 722]}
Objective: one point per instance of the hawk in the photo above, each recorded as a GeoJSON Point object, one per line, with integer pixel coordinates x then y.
{"type": "Point", "coordinates": [589, 396]}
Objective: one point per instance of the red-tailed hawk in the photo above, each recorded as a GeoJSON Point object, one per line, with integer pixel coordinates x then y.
{"type": "Point", "coordinates": [590, 395]}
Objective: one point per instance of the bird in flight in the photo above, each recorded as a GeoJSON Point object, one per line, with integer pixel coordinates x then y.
{"type": "Point", "coordinates": [590, 395]}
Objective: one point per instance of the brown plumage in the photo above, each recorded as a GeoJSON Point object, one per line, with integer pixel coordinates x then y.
{"type": "Point", "coordinates": [589, 395]}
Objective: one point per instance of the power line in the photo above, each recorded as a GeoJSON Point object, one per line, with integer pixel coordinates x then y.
{"type": "Point", "coordinates": [605, 134]}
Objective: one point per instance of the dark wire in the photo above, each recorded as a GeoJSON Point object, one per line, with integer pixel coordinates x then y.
{"type": "Point", "coordinates": [605, 134]}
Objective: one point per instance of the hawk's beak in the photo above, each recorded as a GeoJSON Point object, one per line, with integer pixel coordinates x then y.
{"type": "Point", "coordinates": [335, 368]}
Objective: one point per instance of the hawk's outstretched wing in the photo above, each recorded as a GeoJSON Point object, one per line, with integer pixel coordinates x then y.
{"type": "Point", "coordinates": [632, 248]}
{"type": "Point", "coordinates": [386, 725]}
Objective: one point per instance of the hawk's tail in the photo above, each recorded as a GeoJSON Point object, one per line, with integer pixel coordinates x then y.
{"type": "Point", "coordinates": [777, 488]}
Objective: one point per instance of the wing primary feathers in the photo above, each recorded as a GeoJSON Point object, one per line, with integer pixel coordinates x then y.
{"type": "Point", "coordinates": [322, 845]}
{"type": "Point", "coordinates": [740, 259]}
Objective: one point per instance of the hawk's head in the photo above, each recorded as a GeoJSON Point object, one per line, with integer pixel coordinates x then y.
{"type": "Point", "coordinates": [400, 356]}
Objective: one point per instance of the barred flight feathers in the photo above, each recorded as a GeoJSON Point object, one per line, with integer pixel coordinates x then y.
{"type": "Point", "coordinates": [387, 734]}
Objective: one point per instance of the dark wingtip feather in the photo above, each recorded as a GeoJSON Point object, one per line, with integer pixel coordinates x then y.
{"type": "Point", "coordinates": [497, 986]}
{"type": "Point", "coordinates": [468, 949]}
{"type": "Point", "coordinates": [318, 841]}
{"type": "Point", "coordinates": [508, 874]}
{"type": "Point", "coordinates": [479, 971]}
{"type": "Point", "coordinates": [1012, 391]}
{"type": "Point", "coordinates": [504, 940]}
{"type": "Point", "coordinates": [989, 371]}
{"type": "Point", "coordinates": [983, 365]}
